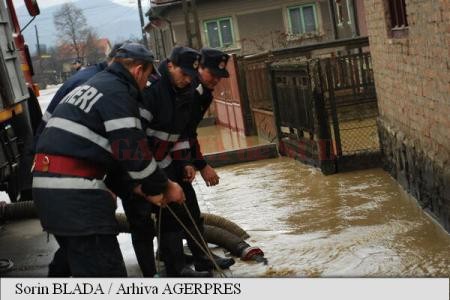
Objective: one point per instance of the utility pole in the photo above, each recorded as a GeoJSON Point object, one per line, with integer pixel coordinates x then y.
{"type": "Point", "coordinates": [188, 9]}
{"type": "Point", "coordinates": [198, 34]}
{"type": "Point", "coordinates": [187, 23]}
{"type": "Point", "coordinates": [141, 17]}
{"type": "Point", "coordinates": [38, 46]}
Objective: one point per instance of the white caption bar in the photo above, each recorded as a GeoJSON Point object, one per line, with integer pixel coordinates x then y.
{"type": "Point", "coordinates": [261, 289]}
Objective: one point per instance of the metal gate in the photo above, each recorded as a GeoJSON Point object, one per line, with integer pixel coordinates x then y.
{"type": "Point", "coordinates": [325, 111]}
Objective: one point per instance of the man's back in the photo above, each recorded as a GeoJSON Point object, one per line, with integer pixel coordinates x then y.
{"type": "Point", "coordinates": [74, 81]}
{"type": "Point", "coordinates": [89, 124]}
{"type": "Point", "coordinates": [170, 109]}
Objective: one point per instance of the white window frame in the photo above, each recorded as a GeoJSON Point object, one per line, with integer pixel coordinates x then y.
{"type": "Point", "coordinates": [300, 7]}
{"type": "Point", "coordinates": [217, 20]}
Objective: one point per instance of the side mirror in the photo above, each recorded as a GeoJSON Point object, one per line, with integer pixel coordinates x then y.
{"type": "Point", "coordinates": [32, 7]}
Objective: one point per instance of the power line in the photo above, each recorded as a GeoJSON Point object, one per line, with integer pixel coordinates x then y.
{"type": "Point", "coordinates": [114, 18]}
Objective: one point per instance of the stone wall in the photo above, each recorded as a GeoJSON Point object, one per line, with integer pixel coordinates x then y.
{"type": "Point", "coordinates": [412, 75]}
{"type": "Point", "coordinates": [427, 180]}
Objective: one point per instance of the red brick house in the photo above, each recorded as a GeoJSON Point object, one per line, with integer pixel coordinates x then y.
{"type": "Point", "coordinates": [409, 42]}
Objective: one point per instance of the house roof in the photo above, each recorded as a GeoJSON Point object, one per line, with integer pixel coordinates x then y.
{"type": "Point", "coordinates": [158, 6]}
{"type": "Point", "coordinates": [163, 3]}
{"type": "Point", "coordinates": [103, 45]}
{"type": "Point", "coordinates": [67, 50]}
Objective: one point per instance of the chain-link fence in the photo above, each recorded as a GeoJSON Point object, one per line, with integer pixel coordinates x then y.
{"type": "Point", "coordinates": [359, 136]}
{"type": "Point", "coordinates": [330, 102]}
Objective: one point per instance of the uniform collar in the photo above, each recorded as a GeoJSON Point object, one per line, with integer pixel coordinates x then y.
{"type": "Point", "coordinates": [200, 90]}
{"type": "Point", "coordinates": [101, 66]}
{"type": "Point", "coordinates": [121, 72]}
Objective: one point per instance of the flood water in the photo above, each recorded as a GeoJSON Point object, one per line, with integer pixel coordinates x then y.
{"type": "Point", "coordinates": [349, 224]}
{"type": "Point", "coordinates": [218, 138]}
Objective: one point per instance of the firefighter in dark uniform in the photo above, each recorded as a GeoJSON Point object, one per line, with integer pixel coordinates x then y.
{"type": "Point", "coordinates": [94, 129]}
{"type": "Point", "coordinates": [74, 81]}
{"type": "Point", "coordinates": [141, 226]}
{"type": "Point", "coordinates": [169, 101]}
{"type": "Point", "coordinates": [212, 69]}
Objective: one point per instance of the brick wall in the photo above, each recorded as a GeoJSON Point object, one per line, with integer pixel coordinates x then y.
{"type": "Point", "coordinates": [412, 76]}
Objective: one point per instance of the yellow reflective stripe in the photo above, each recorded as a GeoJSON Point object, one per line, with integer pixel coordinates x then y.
{"type": "Point", "coordinates": [18, 109]}
{"type": "Point", "coordinates": [25, 67]}
{"type": "Point", "coordinates": [7, 114]}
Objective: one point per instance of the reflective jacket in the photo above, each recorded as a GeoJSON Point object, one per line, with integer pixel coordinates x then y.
{"type": "Point", "coordinates": [170, 110]}
{"type": "Point", "coordinates": [75, 80]}
{"type": "Point", "coordinates": [202, 100]}
{"type": "Point", "coordinates": [98, 122]}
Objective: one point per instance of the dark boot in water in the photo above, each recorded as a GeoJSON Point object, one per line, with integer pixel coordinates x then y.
{"type": "Point", "coordinates": [188, 272]}
{"type": "Point", "coordinates": [173, 256]}
{"type": "Point", "coordinates": [203, 263]}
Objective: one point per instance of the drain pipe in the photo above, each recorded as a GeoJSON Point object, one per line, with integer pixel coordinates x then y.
{"type": "Point", "coordinates": [236, 245]}
{"type": "Point", "coordinates": [218, 230]}
{"type": "Point", "coordinates": [218, 236]}
{"type": "Point", "coordinates": [27, 210]}
{"type": "Point", "coordinates": [221, 222]}
{"type": "Point", "coordinates": [17, 211]}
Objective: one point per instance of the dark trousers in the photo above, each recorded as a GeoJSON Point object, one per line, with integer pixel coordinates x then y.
{"type": "Point", "coordinates": [171, 239]}
{"type": "Point", "coordinates": [194, 210]}
{"type": "Point", "coordinates": [87, 256]}
{"type": "Point", "coordinates": [142, 228]}
{"type": "Point", "coordinates": [192, 205]}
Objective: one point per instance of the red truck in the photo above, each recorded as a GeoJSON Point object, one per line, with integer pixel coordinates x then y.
{"type": "Point", "coordinates": [20, 113]}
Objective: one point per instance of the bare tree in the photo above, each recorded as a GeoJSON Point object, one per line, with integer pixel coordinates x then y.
{"type": "Point", "coordinates": [72, 27]}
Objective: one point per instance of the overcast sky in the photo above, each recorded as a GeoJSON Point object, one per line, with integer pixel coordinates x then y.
{"type": "Point", "coordinates": [44, 3]}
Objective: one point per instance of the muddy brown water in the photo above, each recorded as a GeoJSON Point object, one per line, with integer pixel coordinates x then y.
{"type": "Point", "coordinates": [219, 138]}
{"type": "Point", "coordinates": [358, 224]}
{"type": "Point", "coordinates": [350, 224]}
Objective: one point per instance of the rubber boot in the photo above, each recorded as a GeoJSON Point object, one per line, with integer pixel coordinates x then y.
{"type": "Point", "coordinates": [173, 256]}
{"type": "Point", "coordinates": [202, 262]}
{"type": "Point", "coordinates": [188, 258]}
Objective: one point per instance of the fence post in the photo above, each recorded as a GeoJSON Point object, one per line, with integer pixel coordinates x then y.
{"type": "Point", "coordinates": [334, 116]}
{"type": "Point", "coordinates": [324, 144]}
{"type": "Point", "coordinates": [276, 111]}
{"type": "Point", "coordinates": [249, 123]}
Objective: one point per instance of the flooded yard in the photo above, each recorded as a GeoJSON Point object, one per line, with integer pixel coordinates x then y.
{"type": "Point", "coordinates": [356, 224]}
{"type": "Point", "coordinates": [349, 224]}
